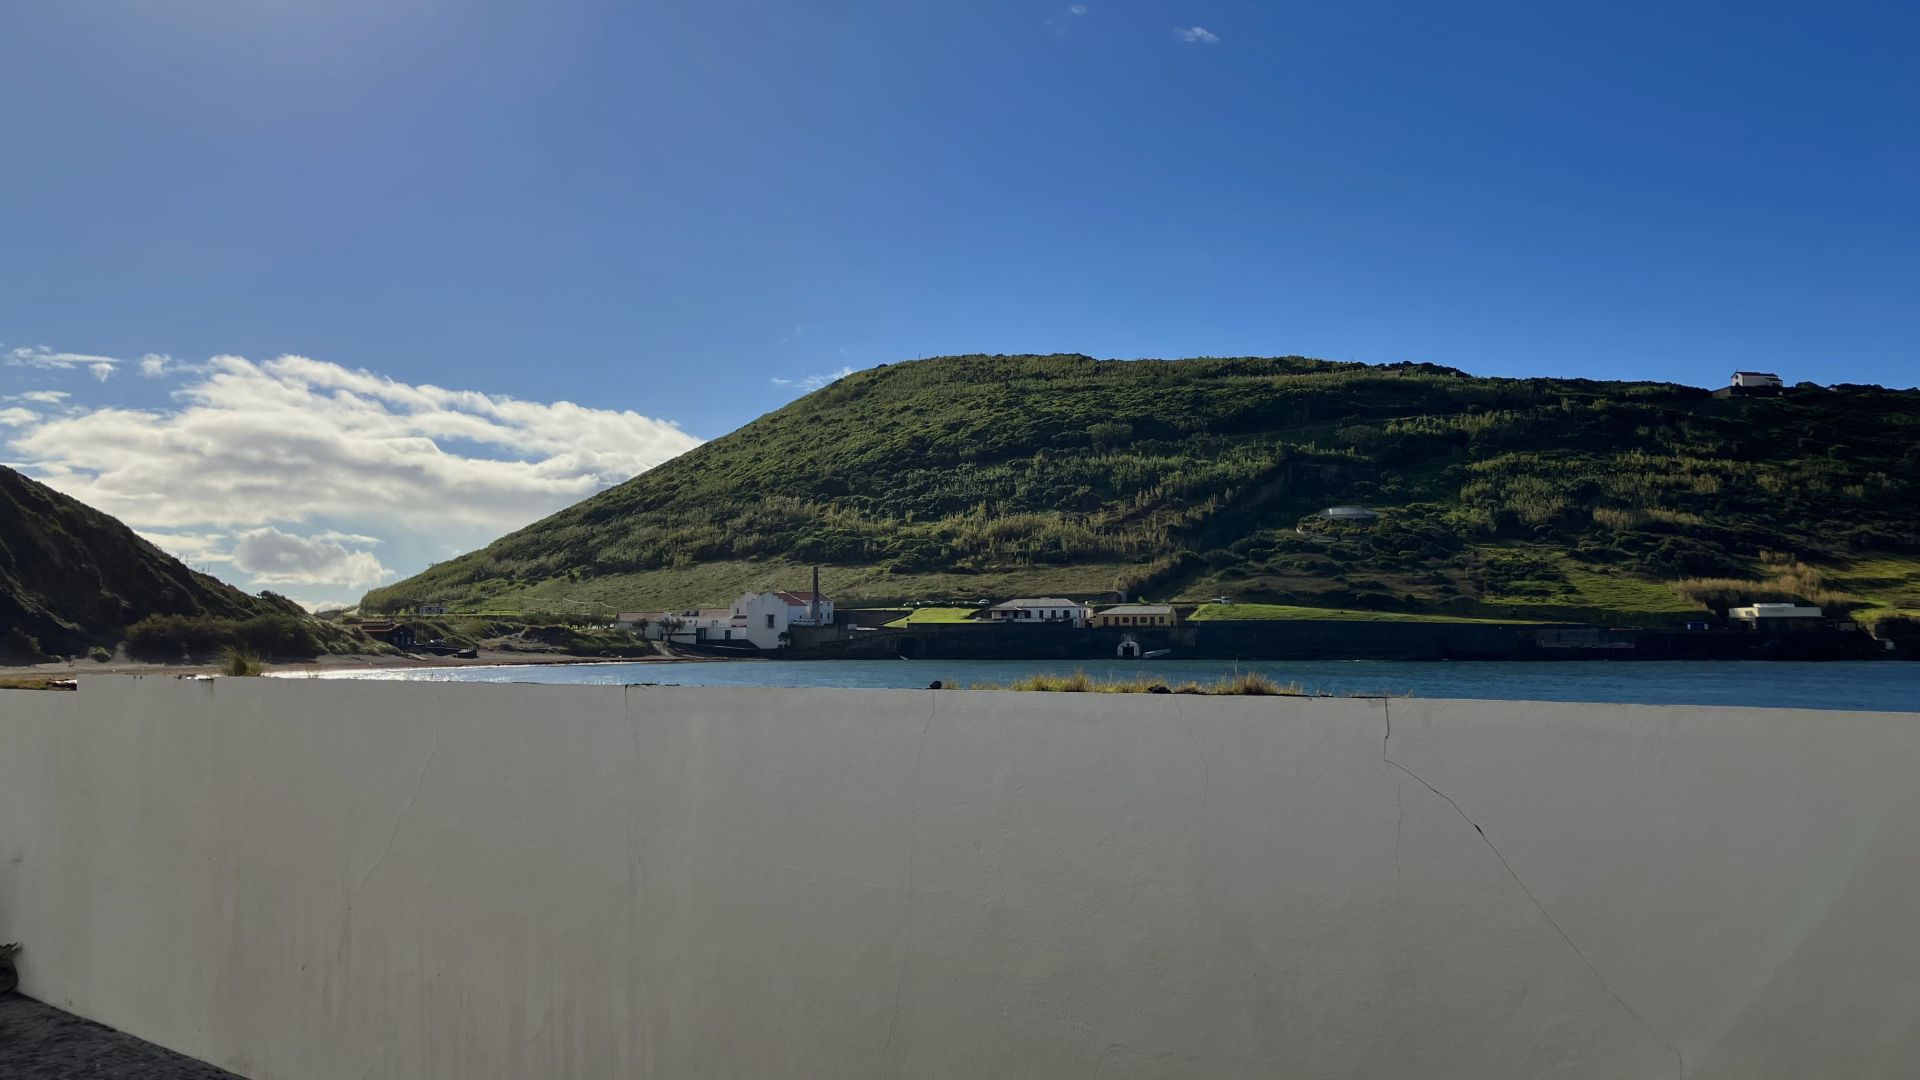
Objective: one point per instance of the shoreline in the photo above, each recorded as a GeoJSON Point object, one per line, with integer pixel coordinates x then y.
{"type": "Point", "coordinates": [65, 669]}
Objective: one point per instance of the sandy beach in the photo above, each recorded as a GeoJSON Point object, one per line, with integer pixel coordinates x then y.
{"type": "Point", "coordinates": [74, 669]}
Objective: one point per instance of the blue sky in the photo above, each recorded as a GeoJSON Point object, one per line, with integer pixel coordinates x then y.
{"type": "Point", "coordinates": [686, 209]}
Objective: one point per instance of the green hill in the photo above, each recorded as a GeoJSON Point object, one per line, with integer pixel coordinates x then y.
{"type": "Point", "coordinates": [984, 476]}
{"type": "Point", "coordinates": [71, 576]}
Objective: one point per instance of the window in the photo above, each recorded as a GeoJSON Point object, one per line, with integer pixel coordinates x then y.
{"type": "Point", "coordinates": [769, 622]}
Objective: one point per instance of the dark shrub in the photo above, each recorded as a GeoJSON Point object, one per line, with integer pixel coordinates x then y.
{"type": "Point", "coordinates": [21, 645]}
{"type": "Point", "coordinates": [171, 637]}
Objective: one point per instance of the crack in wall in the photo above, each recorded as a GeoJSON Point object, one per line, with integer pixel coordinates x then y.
{"type": "Point", "coordinates": [419, 784]}
{"type": "Point", "coordinates": [1680, 1061]}
{"type": "Point", "coordinates": [913, 846]}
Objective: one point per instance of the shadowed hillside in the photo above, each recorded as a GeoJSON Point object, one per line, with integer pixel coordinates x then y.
{"type": "Point", "coordinates": [70, 576]}
{"type": "Point", "coordinates": [978, 476]}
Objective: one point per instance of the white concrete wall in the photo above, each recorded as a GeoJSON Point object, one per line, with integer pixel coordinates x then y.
{"type": "Point", "coordinates": [338, 879]}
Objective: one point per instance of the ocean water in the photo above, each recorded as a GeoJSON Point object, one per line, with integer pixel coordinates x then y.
{"type": "Point", "coordinates": [1869, 685]}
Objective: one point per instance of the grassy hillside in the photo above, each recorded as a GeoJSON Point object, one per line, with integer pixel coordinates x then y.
{"type": "Point", "coordinates": [70, 576]}
{"type": "Point", "coordinates": [968, 477]}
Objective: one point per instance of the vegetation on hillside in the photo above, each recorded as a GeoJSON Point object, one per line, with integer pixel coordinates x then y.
{"type": "Point", "coordinates": [282, 634]}
{"type": "Point", "coordinates": [72, 577]}
{"type": "Point", "coordinates": [959, 477]}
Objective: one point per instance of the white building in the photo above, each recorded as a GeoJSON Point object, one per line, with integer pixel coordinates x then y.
{"type": "Point", "coordinates": [1751, 380]}
{"type": "Point", "coordinates": [1033, 612]}
{"type": "Point", "coordinates": [1349, 513]}
{"type": "Point", "coordinates": [1777, 616]}
{"type": "Point", "coordinates": [759, 619]}
{"type": "Point", "coordinates": [1137, 615]}
{"type": "Point", "coordinates": [689, 626]}
{"type": "Point", "coordinates": [763, 617]}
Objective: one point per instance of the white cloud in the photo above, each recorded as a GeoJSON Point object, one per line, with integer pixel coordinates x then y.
{"type": "Point", "coordinates": [273, 557]}
{"type": "Point", "coordinates": [345, 537]}
{"type": "Point", "coordinates": [815, 382]}
{"type": "Point", "coordinates": [48, 359]}
{"type": "Point", "coordinates": [42, 397]}
{"type": "Point", "coordinates": [1197, 35]}
{"type": "Point", "coordinates": [287, 471]}
{"type": "Point", "coordinates": [298, 440]}
{"type": "Point", "coordinates": [154, 365]}
{"type": "Point", "coordinates": [324, 605]}
{"type": "Point", "coordinates": [194, 549]}
{"type": "Point", "coordinates": [1062, 24]}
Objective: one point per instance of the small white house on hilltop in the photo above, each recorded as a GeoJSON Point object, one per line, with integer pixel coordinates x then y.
{"type": "Point", "coordinates": [1753, 380]}
{"type": "Point", "coordinates": [1035, 611]}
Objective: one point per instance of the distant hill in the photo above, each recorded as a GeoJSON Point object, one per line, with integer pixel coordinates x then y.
{"type": "Point", "coordinates": [984, 476]}
{"type": "Point", "coordinates": [72, 576]}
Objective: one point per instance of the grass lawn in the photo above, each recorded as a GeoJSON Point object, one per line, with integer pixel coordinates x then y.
{"type": "Point", "coordinates": [923, 616]}
{"type": "Point", "coordinates": [1888, 584]}
{"type": "Point", "coordinates": [1289, 613]}
{"type": "Point", "coordinates": [1597, 595]}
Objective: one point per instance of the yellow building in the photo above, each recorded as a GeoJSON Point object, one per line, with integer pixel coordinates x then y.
{"type": "Point", "coordinates": [1130, 615]}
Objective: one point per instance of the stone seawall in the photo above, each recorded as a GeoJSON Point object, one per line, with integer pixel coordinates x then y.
{"type": "Point", "coordinates": [320, 879]}
{"type": "Point", "coordinates": [1327, 639]}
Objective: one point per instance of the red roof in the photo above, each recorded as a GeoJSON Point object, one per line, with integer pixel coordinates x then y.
{"type": "Point", "coordinates": [800, 599]}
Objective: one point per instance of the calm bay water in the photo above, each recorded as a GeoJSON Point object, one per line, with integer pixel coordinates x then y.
{"type": "Point", "coordinates": [1881, 685]}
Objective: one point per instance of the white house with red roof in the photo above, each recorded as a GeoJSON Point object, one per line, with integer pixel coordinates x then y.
{"type": "Point", "coordinates": [763, 617]}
